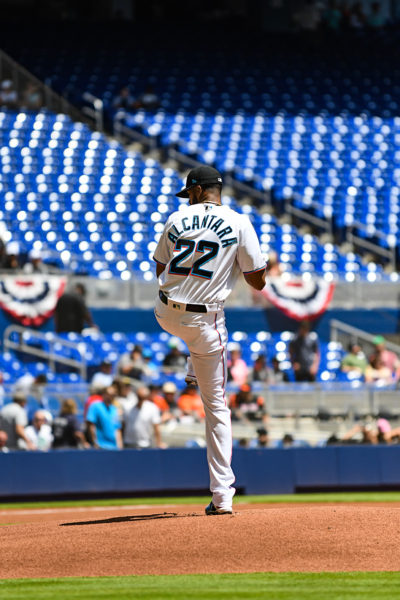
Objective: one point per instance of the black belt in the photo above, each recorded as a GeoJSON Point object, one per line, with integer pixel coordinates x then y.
{"type": "Point", "coordinates": [190, 307]}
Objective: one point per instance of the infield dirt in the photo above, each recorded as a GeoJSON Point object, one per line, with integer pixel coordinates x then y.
{"type": "Point", "coordinates": [181, 539]}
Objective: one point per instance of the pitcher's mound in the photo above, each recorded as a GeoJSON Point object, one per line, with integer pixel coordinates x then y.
{"type": "Point", "coordinates": [180, 539]}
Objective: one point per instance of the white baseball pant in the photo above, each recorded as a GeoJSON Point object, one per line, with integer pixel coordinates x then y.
{"type": "Point", "coordinates": [206, 337]}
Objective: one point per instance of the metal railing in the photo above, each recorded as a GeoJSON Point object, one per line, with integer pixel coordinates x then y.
{"type": "Point", "coordinates": [338, 330]}
{"type": "Point", "coordinates": [95, 110]}
{"type": "Point", "coordinates": [356, 240]}
{"type": "Point", "coordinates": [51, 341]}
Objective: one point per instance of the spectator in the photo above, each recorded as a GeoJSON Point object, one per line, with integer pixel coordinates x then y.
{"type": "Point", "coordinates": [304, 353]}
{"type": "Point", "coordinates": [34, 386]}
{"type": "Point", "coordinates": [288, 441]}
{"type": "Point", "coordinates": [142, 423]}
{"type": "Point", "coordinates": [32, 97]}
{"type": "Point", "coordinates": [175, 360]}
{"type": "Point", "coordinates": [103, 377]}
{"type": "Point", "coordinates": [361, 433]}
{"type": "Point", "coordinates": [124, 100]}
{"type": "Point", "coordinates": [150, 367]}
{"type": "Point", "coordinates": [66, 429]}
{"type": "Point", "coordinates": [165, 401]}
{"type": "Point", "coordinates": [132, 364]}
{"type": "Point", "coordinates": [355, 360]}
{"type": "Point", "coordinates": [95, 395]}
{"type": "Point", "coordinates": [260, 371]}
{"type": "Point", "coordinates": [376, 19]}
{"type": "Point", "coordinates": [377, 373]}
{"type": "Point", "coordinates": [247, 406]}
{"type": "Point", "coordinates": [3, 442]}
{"type": "Point", "coordinates": [238, 371]}
{"type": "Point", "coordinates": [13, 420]}
{"type": "Point", "coordinates": [269, 375]}
{"type": "Point", "coordinates": [148, 100]}
{"type": "Point", "coordinates": [103, 421]}
{"type": "Point", "coordinates": [39, 433]}
{"type": "Point", "coordinates": [71, 313]}
{"type": "Point", "coordinates": [389, 358]}
{"type": "Point", "coordinates": [35, 263]}
{"type": "Point", "coordinates": [3, 255]}
{"type": "Point", "coordinates": [12, 261]}
{"type": "Point", "coordinates": [191, 404]}
{"type": "Point", "coordinates": [275, 374]}
{"type": "Point", "coordinates": [126, 397]}
{"type": "Point", "coordinates": [345, 11]}
{"type": "Point", "coordinates": [308, 17]}
{"type": "Point", "coordinates": [262, 440]}
{"type": "Point", "coordinates": [379, 432]}
{"type": "Point", "coordinates": [8, 94]}
{"type": "Point", "coordinates": [357, 17]}
{"type": "Point", "coordinates": [332, 17]}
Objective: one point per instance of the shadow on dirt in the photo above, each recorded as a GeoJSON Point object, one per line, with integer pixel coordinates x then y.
{"type": "Point", "coordinates": [131, 518]}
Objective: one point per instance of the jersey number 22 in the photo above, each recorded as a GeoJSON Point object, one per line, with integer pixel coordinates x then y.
{"type": "Point", "coordinates": [186, 248]}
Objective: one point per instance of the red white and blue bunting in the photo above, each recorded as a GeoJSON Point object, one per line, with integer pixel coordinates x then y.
{"type": "Point", "coordinates": [30, 299]}
{"type": "Point", "coordinates": [299, 299]}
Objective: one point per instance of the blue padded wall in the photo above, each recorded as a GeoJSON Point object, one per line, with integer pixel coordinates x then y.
{"type": "Point", "coordinates": [258, 471]}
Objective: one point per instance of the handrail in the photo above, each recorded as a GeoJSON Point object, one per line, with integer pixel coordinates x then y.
{"type": "Point", "coordinates": [336, 326]}
{"type": "Point", "coordinates": [97, 112]}
{"type": "Point", "coordinates": [356, 240]}
{"type": "Point", "coordinates": [50, 356]}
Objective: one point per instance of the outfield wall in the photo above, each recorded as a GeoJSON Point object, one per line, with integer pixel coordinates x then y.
{"type": "Point", "coordinates": [263, 471]}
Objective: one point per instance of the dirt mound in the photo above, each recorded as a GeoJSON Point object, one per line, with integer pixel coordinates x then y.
{"type": "Point", "coordinates": [180, 539]}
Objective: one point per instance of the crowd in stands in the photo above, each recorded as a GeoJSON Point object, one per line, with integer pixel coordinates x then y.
{"type": "Point", "coordinates": [12, 259]}
{"type": "Point", "coordinates": [339, 16]}
{"type": "Point", "coordinates": [124, 410]}
{"type": "Point", "coordinates": [381, 368]}
{"type": "Point", "coordinates": [30, 99]}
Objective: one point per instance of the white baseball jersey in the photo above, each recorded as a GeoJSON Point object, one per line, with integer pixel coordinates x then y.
{"type": "Point", "coordinates": [204, 247]}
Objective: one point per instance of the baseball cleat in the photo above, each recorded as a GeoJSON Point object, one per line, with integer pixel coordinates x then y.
{"type": "Point", "coordinates": [191, 379]}
{"type": "Point", "coordinates": [211, 509]}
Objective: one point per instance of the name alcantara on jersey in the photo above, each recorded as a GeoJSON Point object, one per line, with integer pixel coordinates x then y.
{"type": "Point", "coordinates": [208, 222]}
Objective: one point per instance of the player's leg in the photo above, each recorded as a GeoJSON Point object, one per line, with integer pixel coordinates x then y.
{"type": "Point", "coordinates": [210, 372]}
{"type": "Point", "coordinates": [190, 375]}
{"type": "Point", "coordinates": [206, 338]}
{"type": "Point", "coordinates": [208, 354]}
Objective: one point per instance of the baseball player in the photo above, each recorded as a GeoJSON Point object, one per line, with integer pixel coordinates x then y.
{"type": "Point", "coordinates": [201, 252]}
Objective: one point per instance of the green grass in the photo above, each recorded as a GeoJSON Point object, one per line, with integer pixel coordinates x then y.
{"type": "Point", "coordinates": [274, 586]}
{"type": "Point", "coordinates": [295, 498]}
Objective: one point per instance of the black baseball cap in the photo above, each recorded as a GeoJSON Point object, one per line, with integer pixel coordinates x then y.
{"type": "Point", "coordinates": [200, 176]}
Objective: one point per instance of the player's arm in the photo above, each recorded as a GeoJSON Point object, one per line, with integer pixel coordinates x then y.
{"type": "Point", "coordinates": [250, 259]}
{"type": "Point", "coordinates": [162, 253]}
{"type": "Point", "coordinates": [257, 279]}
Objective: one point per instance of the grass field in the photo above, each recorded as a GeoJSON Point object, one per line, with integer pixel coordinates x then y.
{"type": "Point", "coordinates": [274, 586]}
{"type": "Point", "coordinates": [294, 498]}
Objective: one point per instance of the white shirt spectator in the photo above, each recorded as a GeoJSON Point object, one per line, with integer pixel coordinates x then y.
{"type": "Point", "coordinates": [11, 415]}
{"type": "Point", "coordinates": [139, 424]}
{"type": "Point", "coordinates": [42, 438]}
